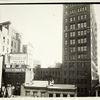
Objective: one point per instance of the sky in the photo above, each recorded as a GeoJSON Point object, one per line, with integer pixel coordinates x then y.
{"type": "Point", "coordinates": [41, 25]}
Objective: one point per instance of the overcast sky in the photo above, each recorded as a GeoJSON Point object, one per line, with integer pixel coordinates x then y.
{"type": "Point", "coordinates": [42, 26]}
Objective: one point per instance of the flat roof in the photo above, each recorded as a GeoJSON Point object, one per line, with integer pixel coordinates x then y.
{"type": "Point", "coordinates": [37, 84]}
{"type": "Point", "coordinates": [44, 84]}
{"type": "Point", "coordinates": [6, 22]}
{"type": "Point", "coordinates": [61, 86]}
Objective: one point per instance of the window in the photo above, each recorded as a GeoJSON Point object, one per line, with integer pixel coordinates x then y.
{"type": "Point", "coordinates": [85, 8]}
{"type": "Point", "coordinates": [79, 33]}
{"type": "Point", "coordinates": [11, 43]}
{"type": "Point", "coordinates": [81, 16]}
{"type": "Point", "coordinates": [57, 94]}
{"type": "Point", "coordinates": [72, 34]}
{"type": "Point", "coordinates": [27, 93]}
{"type": "Point", "coordinates": [65, 34]}
{"type": "Point", "coordinates": [85, 56]}
{"type": "Point", "coordinates": [34, 93]}
{"type": "Point", "coordinates": [73, 26]}
{"type": "Point", "coordinates": [85, 32]}
{"type": "Point", "coordinates": [85, 25]}
{"type": "Point", "coordinates": [85, 16]}
{"type": "Point", "coordinates": [78, 17]}
{"type": "Point", "coordinates": [66, 6]}
{"type": "Point", "coordinates": [72, 57]}
{"type": "Point", "coordinates": [66, 28]}
{"type": "Point", "coordinates": [78, 25]}
{"type": "Point", "coordinates": [71, 19]}
{"type": "Point", "coordinates": [8, 41]}
{"type": "Point", "coordinates": [82, 9]}
{"type": "Point", "coordinates": [4, 39]}
{"type": "Point", "coordinates": [66, 13]}
{"type": "Point", "coordinates": [72, 11]}
{"type": "Point", "coordinates": [78, 10]}
{"type": "Point", "coordinates": [79, 56]}
{"type": "Point", "coordinates": [65, 42]}
{"type": "Point", "coordinates": [73, 49]}
{"type": "Point", "coordinates": [81, 25]}
{"type": "Point", "coordinates": [3, 49]}
{"type": "Point", "coordinates": [82, 56]}
{"type": "Point", "coordinates": [71, 42]}
{"type": "Point", "coordinates": [66, 20]}
{"type": "Point", "coordinates": [7, 49]}
{"type": "Point", "coordinates": [15, 45]}
{"type": "Point", "coordinates": [85, 48]}
{"type": "Point", "coordinates": [50, 94]}
{"type": "Point", "coordinates": [70, 27]}
{"type": "Point", "coordinates": [71, 95]}
{"type": "Point", "coordinates": [78, 41]}
{"type": "Point", "coordinates": [81, 40]}
{"type": "Point", "coordinates": [79, 48]}
{"type": "Point", "coordinates": [64, 95]}
{"type": "Point", "coordinates": [42, 94]}
{"type": "Point", "coordinates": [85, 40]}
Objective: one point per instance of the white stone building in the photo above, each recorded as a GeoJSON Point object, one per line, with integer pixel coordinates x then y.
{"type": "Point", "coordinates": [44, 89]}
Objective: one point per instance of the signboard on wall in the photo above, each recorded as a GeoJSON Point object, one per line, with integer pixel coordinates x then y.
{"type": "Point", "coordinates": [18, 59]}
{"type": "Point", "coordinates": [14, 70]}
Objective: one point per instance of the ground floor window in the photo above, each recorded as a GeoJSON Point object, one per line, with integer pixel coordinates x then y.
{"type": "Point", "coordinates": [42, 94]}
{"type": "Point", "coordinates": [57, 94]}
{"type": "Point", "coordinates": [35, 94]}
{"type": "Point", "coordinates": [50, 94]}
{"type": "Point", "coordinates": [64, 95]}
{"type": "Point", "coordinates": [27, 93]}
{"type": "Point", "coordinates": [72, 95]}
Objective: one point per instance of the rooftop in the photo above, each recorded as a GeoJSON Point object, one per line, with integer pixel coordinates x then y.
{"type": "Point", "coordinates": [4, 23]}
{"type": "Point", "coordinates": [37, 84]}
{"type": "Point", "coordinates": [61, 86]}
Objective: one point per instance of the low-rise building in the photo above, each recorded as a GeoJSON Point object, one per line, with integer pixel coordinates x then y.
{"type": "Point", "coordinates": [44, 89]}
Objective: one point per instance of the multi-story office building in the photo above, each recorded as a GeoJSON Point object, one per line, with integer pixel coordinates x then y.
{"type": "Point", "coordinates": [28, 49]}
{"type": "Point", "coordinates": [15, 41]}
{"type": "Point", "coordinates": [80, 47]}
{"type": "Point", "coordinates": [5, 38]}
{"type": "Point", "coordinates": [10, 40]}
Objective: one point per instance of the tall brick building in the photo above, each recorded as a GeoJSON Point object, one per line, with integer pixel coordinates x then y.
{"type": "Point", "coordinates": [80, 47]}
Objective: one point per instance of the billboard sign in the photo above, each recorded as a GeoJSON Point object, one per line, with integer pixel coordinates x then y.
{"type": "Point", "coordinates": [14, 70]}
{"type": "Point", "coordinates": [18, 59]}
